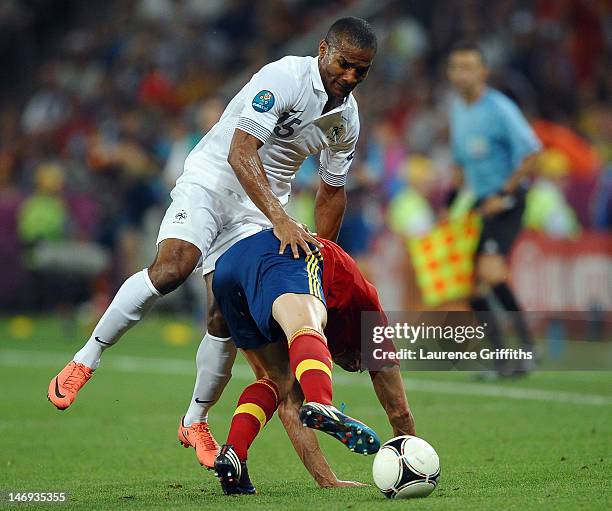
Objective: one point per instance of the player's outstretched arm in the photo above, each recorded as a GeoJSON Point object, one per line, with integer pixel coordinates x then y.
{"type": "Point", "coordinates": [245, 161]}
{"type": "Point", "coordinates": [389, 389]}
{"type": "Point", "coordinates": [330, 204]}
{"type": "Point", "coordinates": [305, 443]}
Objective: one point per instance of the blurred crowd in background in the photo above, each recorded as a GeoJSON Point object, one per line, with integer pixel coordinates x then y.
{"type": "Point", "coordinates": [102, 100]}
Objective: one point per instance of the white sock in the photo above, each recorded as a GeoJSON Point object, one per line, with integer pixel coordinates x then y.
{"type": "Point", "coordinates": [214, 362]}
{"type": "Point", "coordinates": [133, 300]}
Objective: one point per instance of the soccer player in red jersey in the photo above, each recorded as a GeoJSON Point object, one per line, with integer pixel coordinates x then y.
{"type": "Point", "coordinates": [292, 317]}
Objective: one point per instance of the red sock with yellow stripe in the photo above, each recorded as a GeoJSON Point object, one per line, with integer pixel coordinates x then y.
{"type": "Point", "coordinates": [256, 407]}
{"type": "Point", "coordinates": [311, 363]}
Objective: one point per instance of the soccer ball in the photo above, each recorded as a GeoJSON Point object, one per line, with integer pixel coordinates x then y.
{"type": "Point", "coordinates": [406, 466]}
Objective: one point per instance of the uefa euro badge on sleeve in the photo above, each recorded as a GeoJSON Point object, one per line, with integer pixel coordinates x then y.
{"type": "Point", "coordinates": [263, 101]}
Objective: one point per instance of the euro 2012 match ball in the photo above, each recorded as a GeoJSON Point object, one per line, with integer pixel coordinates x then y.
{"type": "Point", "coordinates": [405, 467]}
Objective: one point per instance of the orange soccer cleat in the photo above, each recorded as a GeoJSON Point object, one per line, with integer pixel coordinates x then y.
{"type": "Point", "coordinates": [65, 386]}
{"type": "Point", "coordinates": [199, 437]}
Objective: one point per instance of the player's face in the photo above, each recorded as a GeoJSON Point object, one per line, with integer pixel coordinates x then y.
{"type": "Point", "coordinates": [343, 67]}
{"type": "Point", "coordinates": [466, 71]}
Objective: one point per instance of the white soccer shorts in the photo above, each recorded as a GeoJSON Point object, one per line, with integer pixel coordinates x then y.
{"type": "Point", "coordinates": [211, 220]}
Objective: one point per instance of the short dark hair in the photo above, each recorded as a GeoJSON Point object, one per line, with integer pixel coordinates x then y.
{"type": "Point", "coordinates": [468, 46]}
{"type": "Point", "coordinates": [355, 31]}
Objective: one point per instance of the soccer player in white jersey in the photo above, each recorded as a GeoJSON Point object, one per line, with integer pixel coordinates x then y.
{"type": "Point", "coordinates": [236, 182]}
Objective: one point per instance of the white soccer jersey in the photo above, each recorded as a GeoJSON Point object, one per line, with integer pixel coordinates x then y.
{"type": "Point", "coordinates": [281, 105]}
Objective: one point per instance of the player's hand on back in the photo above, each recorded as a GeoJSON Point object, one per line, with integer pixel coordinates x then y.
{"type": "Point", "coordinates": [296, 235]}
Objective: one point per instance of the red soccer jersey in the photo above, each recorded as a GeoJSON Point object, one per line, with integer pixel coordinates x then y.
{"type": "Point", "coordinates": [348, 294]}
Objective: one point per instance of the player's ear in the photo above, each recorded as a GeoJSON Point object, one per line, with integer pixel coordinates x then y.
{"type": "Point", "coordinates": [323, 49]}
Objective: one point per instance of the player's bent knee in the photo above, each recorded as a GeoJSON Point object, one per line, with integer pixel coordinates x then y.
{"type": "Point", "coordinates": [166, 277]}
{"type": "Point", "coordinates": [175, 261]}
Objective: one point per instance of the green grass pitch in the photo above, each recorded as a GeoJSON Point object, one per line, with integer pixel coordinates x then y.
{"type": "Point", "coordinates": [543, 442]}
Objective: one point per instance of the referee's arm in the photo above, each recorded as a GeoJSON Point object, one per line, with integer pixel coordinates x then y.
{"type": "Point", "coordinates": [526, 169]}
{"type": "Point", "coordinates": [523, 142]}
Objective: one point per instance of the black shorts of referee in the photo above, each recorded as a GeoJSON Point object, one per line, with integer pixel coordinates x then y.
{"type": "Point", "coordinates": [501, 230]}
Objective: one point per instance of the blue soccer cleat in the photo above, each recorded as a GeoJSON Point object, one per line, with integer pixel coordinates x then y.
{"type": "Point", "coordinates": [355, 435]}
{"type": "Point", "coordinates": [233, 473]}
